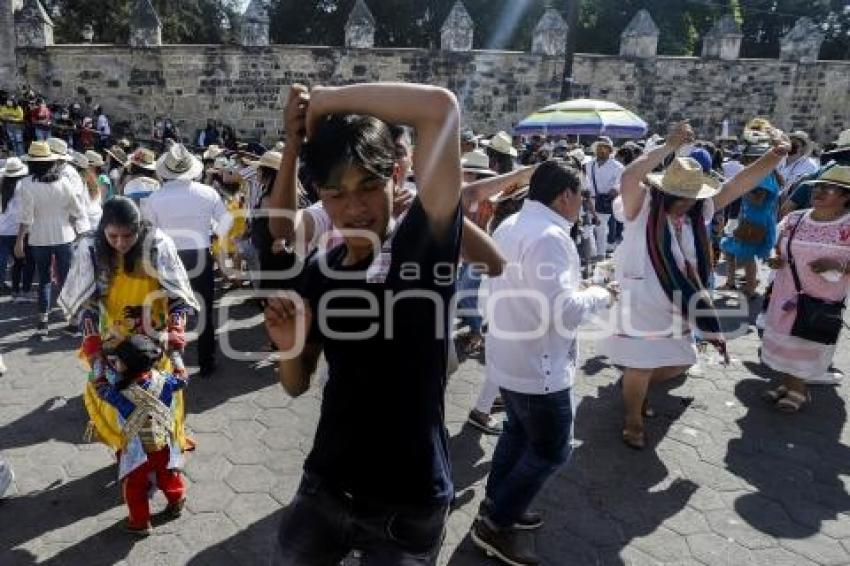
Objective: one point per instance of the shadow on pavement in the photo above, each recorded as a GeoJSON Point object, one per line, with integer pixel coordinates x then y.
{"type": "Point", "coordinates": [608, 494]}
{"type": "Point", "coordinates": [794, 461]}
{"type": "Point", "coordinates": [57, 418]}
{"type": "Point", "coordinates": [255, 544]}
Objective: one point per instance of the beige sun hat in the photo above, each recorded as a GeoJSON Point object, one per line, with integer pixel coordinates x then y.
{"type": "Point", "coordinates": [212, 152]}
{"type": "Point", "coordinates": [79, 160]}
{"type": "Point", "coordinates": [838, 175]}
{"type": "Point", "coordinates": [502, 143]}
{"type": "Point", "coordinates": [179, 164]}
{"type": "Point", "coordinates": [144, 158]}
{"type": "Point", "coordinates": [803, 137]}
{"type": "Point", "coordinates": [95, 159]}
{"type": "Point", "coordinates": [477, 162]}
{"type": "Point", "coordinates": [14, 168]}
{"type": "Point", "coordinates": [60, 148]}
{"type": "Point", "coordinates": [118, 154]}
{"type": "Point", "coordinates": [40, 151]}
{"type": "Point", "coordinates": [270, 159]}
{"type": "Point", "coordinates": [685, 178]}
{"type": "Point", "coordinates": [842, 144]}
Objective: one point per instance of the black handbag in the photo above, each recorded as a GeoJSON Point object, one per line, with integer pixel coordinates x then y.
{"type": "Point", "coordinates": [816, 320]}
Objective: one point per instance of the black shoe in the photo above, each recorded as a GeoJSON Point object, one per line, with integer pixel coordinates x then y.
{"type": "Point", "coordinates": [207, 370]}
{"type": "Point", "coordinates": [483, 423]}
{"type": "Point", "coordinates": [510, 546]}
{"type": "Point", "coordinates": [498, 405]}
{"type": "Point", "coordinates": [528, 521]}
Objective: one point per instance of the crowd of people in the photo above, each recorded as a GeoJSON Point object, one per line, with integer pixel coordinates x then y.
{"type": "Point", "coordinates": [391, 241]}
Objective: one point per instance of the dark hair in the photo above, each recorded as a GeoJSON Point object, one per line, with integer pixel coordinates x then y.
{"type": "Point", "coordinates": [625, 155]}
{"type": "Point", "coordinates": [135, 171]}
{"type": "Point", "coordinates": [501, 163]}
{"type": "Point", "coordinates": [351, 139]}
{"type": "Point", "coordinates": [139, 353]}
{"type": "Point", "coordinates": [45, 171]}
{"type": "Point", "coordinates": [7, 191]}
{"type": "Point", "coordinates": [401, 139]}
{"type": "Point", "coordinates": [550, 180]}
{"type": "Point", "coordinates": [119, 211]}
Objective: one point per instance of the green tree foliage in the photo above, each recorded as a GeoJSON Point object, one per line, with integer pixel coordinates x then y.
{"type": "Point", "coordinates": [183, 21]}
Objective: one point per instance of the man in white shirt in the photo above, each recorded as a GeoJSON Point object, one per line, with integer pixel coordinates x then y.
{"type": "Point", "coordinates": [603, 179]}
{"type": "Point", "coordinates": [534, 309]}
{"type": "Point", "coordinates": [797, 164]}
{"type": "Point", "coordinates": [188, 211]}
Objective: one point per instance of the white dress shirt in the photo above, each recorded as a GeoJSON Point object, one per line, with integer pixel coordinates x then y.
{"type": "Point", "coordinates": [537, 303]}
{"type": "Point", "coordinates": [793, 172]}
{"type": "Point", "coordinates": [187, 212]}
{"type": "Point", "coordinates": [78, 187]}
{"type": "Point", "coordinates": [602, 178]}
{"type": "Point", "coordinates": [47, 208]}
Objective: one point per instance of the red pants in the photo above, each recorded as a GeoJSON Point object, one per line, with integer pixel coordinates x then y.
{"type": "Point", "coordinates": [137, 486]}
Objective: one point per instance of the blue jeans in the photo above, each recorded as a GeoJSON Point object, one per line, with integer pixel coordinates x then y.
{"type": "Point", "coordinates": [43, 256]}
{"type": "Point", "coordinates": [22, 269]}
{"type": "Point", "coordinates": [321, 527]}
{"type": "Point", "coordinates": [468, 282]}
{"type": "Point", "coordinates": [42, 132]}
{"type": "Point", "coordinates": [15, 133]}
{"type": "Point", "coordinates": [534, 444]}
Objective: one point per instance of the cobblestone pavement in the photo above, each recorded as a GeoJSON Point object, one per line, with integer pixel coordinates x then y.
{"type": "Point", "coordinates": [726, 480]}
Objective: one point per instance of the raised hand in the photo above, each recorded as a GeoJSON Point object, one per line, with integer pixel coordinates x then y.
{"type": "Point", "coordinates": [288, 317]}
{"type": "Point", "coordinates": [680, 134]}
{"type": "Point", "coordinates": [295, 115]}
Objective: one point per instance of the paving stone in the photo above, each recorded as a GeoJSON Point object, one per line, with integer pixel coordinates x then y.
{"type": "Point", "coordinates": [250, 479]}
{"type": "Point", "coordinates": [209, 497]}
{"type": "Point", "coordinates": [714, 550]}
{"type": "Point", "coordinates": [248, 508]}
{"type": "Point", "coordinates": [819, 548]}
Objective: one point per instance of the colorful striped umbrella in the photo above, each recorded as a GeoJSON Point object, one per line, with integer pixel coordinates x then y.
{"type": "Point", "coordinates": [584, 117]}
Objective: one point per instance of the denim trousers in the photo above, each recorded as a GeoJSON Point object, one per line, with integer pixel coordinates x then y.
{"type": "Point", "coordinates": [15, 133]}
{"type": "Point", "coordinates": [43, 256]}
{"type": "Point", "coordinates": [534, 444]}
{"type": "Point", "coordinates": [468, 283]}
{"type": "Point", "coordinates": [321, 527]}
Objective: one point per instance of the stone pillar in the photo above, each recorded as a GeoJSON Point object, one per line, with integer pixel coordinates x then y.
{"type": "Point", "coordinates": [723, 40]}
{"type": "Point", "coordinates": [802, 44]}
{"type": "Point", "coordinates": [255, 25]}
{"type": "Point", "coordinates": [145, 27]}
{"type": "Point", "coordinates": [640, 38]}
{"type": "Point", "coordinates": [458, 30]}
{"type": "Point", "coordinates": [33, 27]}
{"type": "Point", "coordinates": [550, 35]}
{"type": "Point", "coordinates": [360, 28]}
{"type": "Point", "coordinates": [8, 67]}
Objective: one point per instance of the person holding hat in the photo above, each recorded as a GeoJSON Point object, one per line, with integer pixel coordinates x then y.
{"type": "Point", "coordinates": [150, 450]}
{"type": "Point", "coordinates": [10, 214]}
{"type": "Point", "coordinates": [755, 234]}
{"type": "Point", "coordinates": [48, 204]}
{"type": "Point", "coordinates": [799, 163]}
{"type": "Point", "coordinates": [664, 267]}
{"type": "Point", "coordinates": [812, 266]}
{"type": "Point", "coordinates": [603, 180]}
{"type": "Point", "coordinates": [189, 212]}
{"type": "Point", "coordinates": [142, 179]}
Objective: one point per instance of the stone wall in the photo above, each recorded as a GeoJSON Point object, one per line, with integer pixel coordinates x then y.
{"type": "Point", "coordinates": [246, 86]}
{"type": "Point", "coordinates": [7, 41]}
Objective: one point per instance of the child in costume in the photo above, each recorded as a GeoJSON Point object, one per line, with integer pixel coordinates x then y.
{"type": "Point", "coordinates": [150, 453]}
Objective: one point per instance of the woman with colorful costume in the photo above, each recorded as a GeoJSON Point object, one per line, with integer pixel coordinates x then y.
{"type": "Point", "coordinates": [127, 279]}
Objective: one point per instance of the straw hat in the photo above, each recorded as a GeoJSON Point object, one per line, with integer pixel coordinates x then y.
{"type": "Point", "coordinates": [502, 143]}
{"type": "Point", "coordinates": [803, 137]}
{"type": "Point", "coordinates": [40, 151]}
{"type": "Point", "coordinates": [79, 160]}
{"type": "Point", "coordinates": [842, 144]}
{"type": "Point", "coordinates": [144, 159]}
{"type": "Point", "coordinates": [603, 140]}
{"type": "Point", "coordinates": [118, 154]}
{"type": "Point", "coordinates": [60, 148]}
{"type": "Point", "coordinates": [14, 168]}
{"type": "Point", "coordinates": [95, 159]}
{"type": "Point", "coordinates": [685, 178]}
{"type": "Point", "coordinates": [270, 159]}
{"type": "Point", "coordinates": [179, 164]}
{"type": "Point", "coordinates": [476, 162]}
{"type": "Point", "coordinates": [838, 175]}
{"type": "Point", "coordinates": [212, 152]}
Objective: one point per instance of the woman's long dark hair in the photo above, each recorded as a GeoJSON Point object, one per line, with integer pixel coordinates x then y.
{"type": "Point", "coordinates": [45, 171]}
{"type": "Point", "coordinates": [7, 191]}
{"type": "Point", "coordinates": [120, 211]}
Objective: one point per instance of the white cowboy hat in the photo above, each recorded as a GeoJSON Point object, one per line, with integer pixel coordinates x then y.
{"type": "Point", "coordinates": [144, 159]}
{"type": "Point", "coordinates": [578, 154]}
{"type": "Point", "coordinates": [60, 148]}
{"type": "Point", "coordinates": [842, 144]}
{"type": "Point", "coordinates": [179, 164]}
{"type": "Point", "coordinates": [212, 152]}
{"type": "Point", "coordinates": [14, 168]}
{"type": "Point", "coordinates": [40, 151]}
{"type": "Point", "coordinates": [685, 178]}
{"type": "Point", "coordinates": [502, 143]}
{"type": "Point", "coordinates": [803, 137]}
{"type": "Point", "coordinates": [270, 159]}
{"type": "Point", "coordinates": [477, 162]}
{"type": "Point", "coordinates": [603, 140]}
{"type": "Point", "coordinates": [95, 159]}
{"type": "Point", "coordinates": [838, 175]}
{"type": "Point", "coordinates": [79, 160]}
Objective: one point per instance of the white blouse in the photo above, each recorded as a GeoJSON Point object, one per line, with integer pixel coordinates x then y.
{"type": "Point", "coordinates": [48, 209]}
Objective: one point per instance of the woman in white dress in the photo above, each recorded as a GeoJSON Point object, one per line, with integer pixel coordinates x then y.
{"type": "Point", "coordinates": [663, 268]}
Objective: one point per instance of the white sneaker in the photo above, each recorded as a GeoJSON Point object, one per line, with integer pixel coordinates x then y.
{"type": "Point", "coordinates": [7, 476]}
